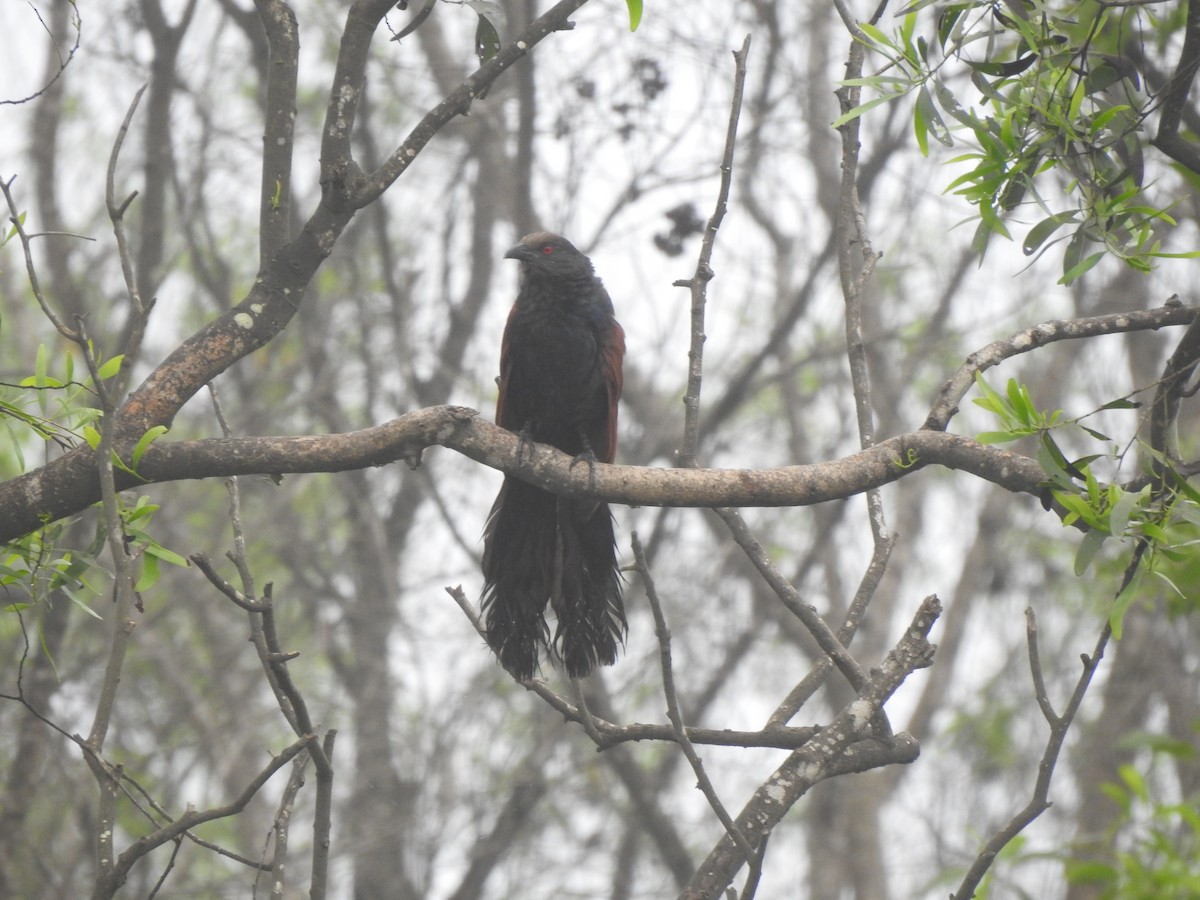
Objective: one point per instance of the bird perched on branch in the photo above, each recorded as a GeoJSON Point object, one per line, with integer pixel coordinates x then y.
{"type": "Point", "coordinates": [560, 379]}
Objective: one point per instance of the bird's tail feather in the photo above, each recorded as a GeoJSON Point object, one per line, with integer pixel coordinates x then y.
{"type": "Point", "coordinates": [541, 549]}
{"type": "Point", "coordinates": [591, 616]}
{"type": "Point", "coordinates": [518, 568]}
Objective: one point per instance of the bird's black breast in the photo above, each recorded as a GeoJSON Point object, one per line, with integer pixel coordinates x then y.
{"type": "Point", "coordinates": [555, 385]}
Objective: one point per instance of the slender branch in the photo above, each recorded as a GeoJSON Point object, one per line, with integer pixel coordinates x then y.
{"type": "Point", "coordinates": [63, 62]}
{"type": "Point", "coordinates": [838, 749]}
{"type": "Point", "coordinates": [323, 820]}
{"type": "Point", "coordinates": [790, 597]}
{"type": "Point", "coordinates": [1039, 802]}
{"type": "Point", "coordinates": [856, 265]}
{"type": "Point", "coordinates": [458, 102]}
{"type": "Point", "coordinates": [609, 734]}
{"type": "Point", "coordinates": [698, 283]}
{"type": "Point", "coordinates": [1172, 387]}
{"type": "Point", "coordinates": [110, 881]}
{"type": "Point", "coordinates": [123, 574]}
{"type": "Point", "coordinates": [945, 405]}
{"type": "Point", "coordinates": [281, 826]}
{"type": "Point", "coordinates": [808, 685]}
{"type": "Point", "coordinates": [703, 782]}
{"type": "Point", "coordinates": [14, 217]}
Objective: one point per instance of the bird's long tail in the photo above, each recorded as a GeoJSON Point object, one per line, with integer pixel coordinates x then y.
{"type": "Point", "coordinates": [591, 616]}
{"type": "Point", "coordinates": [541, 549]}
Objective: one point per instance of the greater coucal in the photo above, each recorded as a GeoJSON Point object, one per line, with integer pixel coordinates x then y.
{"type": "Point", "coordinates": [560, 379]}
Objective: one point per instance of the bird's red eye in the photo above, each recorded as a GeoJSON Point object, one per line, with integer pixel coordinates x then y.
{"type": "Point", "coordinates": [547, 249]}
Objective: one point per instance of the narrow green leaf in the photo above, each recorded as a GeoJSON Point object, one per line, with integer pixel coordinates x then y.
{"type": "Point", "coordinates": [998, 437]}
{"type": "Point", "coordinates": [874, 34]}
{"type": "Point", "coordinates": [862, 108]}
{"type": "Point", "coordinates": [1080, 268]}
{"type": "Point", "coordinates": [111, 367]}
{"type": "Point", "coordinates": [78, 601]}
{"type": "Point", "coordinates": [148, 577]}
{"type": "Point", "coordinates": [635, 13]}
{"type": "Point", "coordinates": [1088, 548]}
{"type": "Point", "coordinates": [92, 436]}
{"type": "Point", "coordinates": [1041, 232]}
{"type": "Point", "coordinates": [169, 556]}
{"type": "Point", "coordinates": [146, 440]}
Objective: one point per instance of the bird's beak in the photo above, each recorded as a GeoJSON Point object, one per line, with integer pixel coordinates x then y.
{"type": "Point", "coordinates": [520, 252]}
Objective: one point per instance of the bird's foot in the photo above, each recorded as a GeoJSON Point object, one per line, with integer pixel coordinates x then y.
{"type": "Point", "coordinates": [525, 444]}
{"type": "Point", "coordinates": [586, 455]}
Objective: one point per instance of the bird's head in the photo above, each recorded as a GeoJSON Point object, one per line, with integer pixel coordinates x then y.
{"type": "Point", "coordinates": [550, 255]}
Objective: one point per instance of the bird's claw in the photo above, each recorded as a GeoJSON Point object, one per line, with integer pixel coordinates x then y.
{"type": "Point", "coordinates": [587, 455]}
{"type": "Point", "coordinates": [525, 444]}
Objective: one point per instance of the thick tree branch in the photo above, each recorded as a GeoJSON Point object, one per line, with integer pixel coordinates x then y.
{"type": "Point", "coordinates": [69, 485]}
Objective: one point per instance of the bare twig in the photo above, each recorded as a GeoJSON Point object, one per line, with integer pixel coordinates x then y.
{"type": "Point", "coordinates": [673, 711]}
{"type": "Point", "coordinates": [790, 597]}
{"type": "Point", "coordinates": [281, 828]}
{"type": "Point", "coordinates": [123, 573]}
{"type": "Point", "coordinates": [112, 877]}
{"type": "Point", "coordinates": [698, 283]}
{"type": "Point", "coordinates": [856, 265]}
{"type": "Point", "coordinates": [63, 62]}
{"type": "Point", "coordinates": [808, 685]}
{"type": "Point", "coordinates": [839, 748]}
{"type": "Point", "coordinates": [609, 734]}
{"type": "Point", "coordinates": [1039, 802]}
{"type": "Point", "coordinates": [343, 102]}
{"type": "Point", "coordinates": [323, 820]}
{"type": "Point", "coordinates": [14, 216]}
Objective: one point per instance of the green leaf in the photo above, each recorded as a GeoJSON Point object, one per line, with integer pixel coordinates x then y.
{"type": "Point", "coordinates": [1041, 232]}
{"type": "Point", "coordinates": [148, 577]}
{"type": "Point", "coordinates": [1075, 271]}
{"type": "Point", "coordinates": [928, 121]}
{"type": "Point", "coordinates": [167, 556]}
{"type": "Point", "coordinates": [146, 440]}
{"type": "Point", "coordinates": [635, 13]}
{"type": "Point", "coordinates": [878, 37]}
{"type": "Point", "coordinates": [487, 39]}
{"type": "Point", "coordinates": [998, 437]}
{"type": "Point", "coordinates": [92, 436]}
{"type": "Point", "coordinates": [82, 604]}
{"type": "Point", "coordinates": [111, 367]}
{"type": "Point", "coordinates": [1118, 517]}
{"type": "Point", "coordinates": [1088, 548]}
{"type": "Point", "coordinates": [862, 108]}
